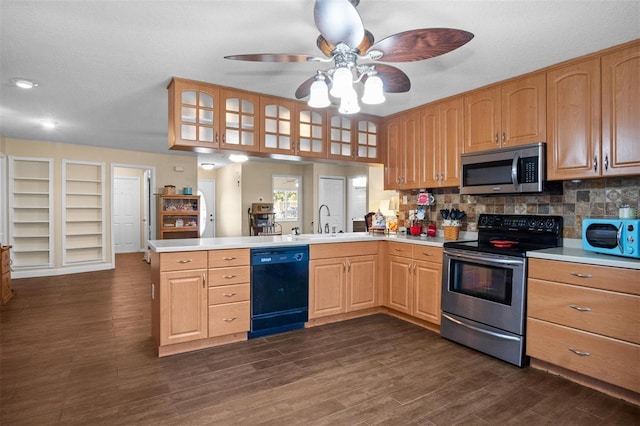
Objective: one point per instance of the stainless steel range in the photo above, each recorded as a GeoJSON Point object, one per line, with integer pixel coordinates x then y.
{"type": "Point", "coordinates": [484, 283]}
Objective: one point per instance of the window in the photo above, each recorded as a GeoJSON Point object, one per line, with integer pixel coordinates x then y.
{"type": "Point", "coordinates": [286, 197]}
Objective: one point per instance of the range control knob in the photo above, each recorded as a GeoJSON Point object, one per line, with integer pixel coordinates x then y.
{"type": "Point", "coordinates": [630, 227]}
{"type": "Point", "coordinates": [549, 223]}
{"type": "Point", "coordinates": [630, 250]}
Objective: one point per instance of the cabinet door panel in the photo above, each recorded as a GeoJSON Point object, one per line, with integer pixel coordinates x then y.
{"type": "Point", "coordinates": [621, 111]}
{"type": "Point", "coordinates": [183, 306]}
{"type": "Point", "coordinates": [392, 163]}
{"type": "Point", "coordinates": [524, 109]}
{"type": "Point", "coordinates": [452, 141]}
{"type": "Point", "coordinates": [428, 283]}
{"type": "Point", "coordinates": [399, 284]}
{"type": "Point", "coordinates": [362, 282]}
{"type": "Point", "coordinates": [573, 126]}
{"type": "Point", "coordinates": [429, 164]}
{"type": "Point", "coordinates": [482, 120]}
{"type": "Point", "coordinates": [326, 287]}
{"type": "Point", "coordinates": [410, 151]}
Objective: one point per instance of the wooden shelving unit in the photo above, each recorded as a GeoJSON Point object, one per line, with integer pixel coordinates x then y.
{"type": "Point", "coordinates": [178, 216]}
{"type": "Point", "coordinates": [262, 220]}
{"type": "Point", "coordinates": [83, 210]}
{"type": "Point", "coordinates": [31, 211]}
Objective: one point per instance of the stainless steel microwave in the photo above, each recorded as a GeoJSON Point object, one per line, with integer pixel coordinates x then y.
{"type": "Point", "coordinates": [504, 171]}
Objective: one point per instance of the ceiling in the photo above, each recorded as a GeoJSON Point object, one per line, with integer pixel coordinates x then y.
{"type": "Point", "coordinates": [103, 66]}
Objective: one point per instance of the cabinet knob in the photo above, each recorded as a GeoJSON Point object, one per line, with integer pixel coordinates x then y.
{"type": "Point", "coordinates": [504, 138]}
{"type": "Point", "coordinates": [595, 164]}
{"type": "Point", "coordinates": [497, 141]}
{"type": "Point", "coordinates": [606, 163]}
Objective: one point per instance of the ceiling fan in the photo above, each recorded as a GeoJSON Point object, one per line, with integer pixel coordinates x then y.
{"type": "Point", "coordinates": [344, 41]}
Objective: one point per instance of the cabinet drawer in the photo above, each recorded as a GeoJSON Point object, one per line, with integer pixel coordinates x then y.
{"type": "Point", "coordinates": [400, 249]}
{"type": "Point", "coordinates": [234, 257]}
{"type": "Point", "coordinates": [231, 275]}
{"type": "Point", "coordinates": [228, 318]}
{"type": "Point", "coordinates": [427, 253]}
{"type": "Point", "coordinates": [599, 311]}
{"type": "Point", "coordinates": [229, 294]}
{"type": "Point", "coordinates": [609, 360]}
{"type": "Point", "coordinates": [332, 250]}
{"type": "Point", "coordinates": [184, 260]}
{"type": "Point", "coordinates": [606, 278]}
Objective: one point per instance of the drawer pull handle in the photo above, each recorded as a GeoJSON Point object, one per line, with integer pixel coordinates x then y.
{"type": "Point", "coordinates": [579, 353]}
{"type": "Point", "coordinates": [184, 261]}
{"type": "Point", "coordinates": [580, 308]}
{"type": "Point", "coordinates": [229, 276]}
{"type": "Point", "coordinates": [579, 275]}
{"type": "Point", "coordinates": [229, 294]}
{"type": "Point", "coordinates": [397, 249]}
{"type": "Point", "coordinates": [427, 254]}
{"type": "Point", "coordinates": [229, 319]}
{"type": "Point", "coordinates": [229, 258]}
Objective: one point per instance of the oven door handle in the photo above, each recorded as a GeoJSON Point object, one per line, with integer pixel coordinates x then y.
{"type": "Point", "coordinates": [480, 259]}
{"type": "Point", "coordinates": [480, 330]}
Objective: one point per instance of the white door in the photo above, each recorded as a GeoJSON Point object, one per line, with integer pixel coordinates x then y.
{"type": "Point", "coordinates": [331, 193]}
{"type": "Point", "coordinates": [207, 193]}
{"type": "Point", "coordinates": [356, 200]}
{"type": "Point", "coordinates": [126, 214]}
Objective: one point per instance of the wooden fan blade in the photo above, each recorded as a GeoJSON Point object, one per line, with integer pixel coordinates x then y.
{"type": "Point", "coordinates": [394, 80]}
{"type": "Point", "coordinates": [327, 48]}
{"type": "Point", "coordinates": [338, 21]}
{"type": "Point", "coordinates": [416, 45]}
{"type": "Point", "coordinates": [272, 57]}
{"type": "Point", "coordinates": [304, 89]}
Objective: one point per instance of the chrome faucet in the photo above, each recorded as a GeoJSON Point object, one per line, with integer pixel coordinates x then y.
{"type": "Point", "coordinates": [320, 218]}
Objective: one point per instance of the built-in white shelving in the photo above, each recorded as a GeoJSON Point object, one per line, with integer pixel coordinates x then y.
{"type": "Point", "coordinates": [83, 212]}
{"type": "Point", "coordinates": [31, 212]}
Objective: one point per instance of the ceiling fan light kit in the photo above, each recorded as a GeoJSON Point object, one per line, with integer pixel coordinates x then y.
{"type": "Point", "coordinates": [344, 40]}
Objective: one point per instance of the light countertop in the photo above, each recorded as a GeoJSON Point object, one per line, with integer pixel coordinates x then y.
{"type": "Point", "coordinates": [571, 252]}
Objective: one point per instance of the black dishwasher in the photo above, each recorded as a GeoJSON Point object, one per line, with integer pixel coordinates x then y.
{"type": "Point", "coordinates": [279, 289]}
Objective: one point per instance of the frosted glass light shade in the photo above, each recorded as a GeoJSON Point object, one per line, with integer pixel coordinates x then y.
{"type": "Point", "coordinates": [373, 93]}
{"type": "Point", "coordinates": [319, 95]}
{"type": "Point", "coordinates": [342, 82]}
{"type": "Point", "coordinates": [349, 103]}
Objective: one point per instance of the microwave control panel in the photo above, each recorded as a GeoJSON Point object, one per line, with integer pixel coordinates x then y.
{"type": "Point", "coordinates": [529, 170]}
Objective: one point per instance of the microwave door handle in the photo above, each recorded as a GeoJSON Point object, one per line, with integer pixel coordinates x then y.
{"type": "Point", "coordinates": [619, 237]}
{"type": "Point", "coordinates": [514, 171]}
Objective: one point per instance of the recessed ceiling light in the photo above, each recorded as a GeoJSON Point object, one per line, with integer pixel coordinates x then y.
{"type": "Point", "coordinates": [207, 166]}
{"type": "Point", "coordinates": [23, 83]}
{"type": "Point", "coordinates": [238, 158]}
{"type": "Point", "coordinates": [49, 124]}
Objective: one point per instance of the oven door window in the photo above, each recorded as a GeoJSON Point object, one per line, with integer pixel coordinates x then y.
{"type": "Point", "coordinates": [492, 283]}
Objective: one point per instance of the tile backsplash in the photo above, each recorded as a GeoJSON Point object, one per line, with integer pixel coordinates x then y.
{"type": "Point", "coordinates": [578, 200]}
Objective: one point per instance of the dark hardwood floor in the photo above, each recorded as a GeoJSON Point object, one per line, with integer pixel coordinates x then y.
{"type": "Point", "coordinates": [76, 350]}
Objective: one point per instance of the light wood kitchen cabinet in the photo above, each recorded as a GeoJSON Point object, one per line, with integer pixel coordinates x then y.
{"type": "Point", "coordinates": [194, 115]}
{"type": "Point", "coordinates": [585, 318]}
{"type": "Point", "coordinates": [342, 284]}
{"type": "Point", "coordinates": [353, 138]}
{"type": "Point", "coordinates": [312, 131]}
{"type": "Point", "coordinates": [182, 297]}
{"type": "Point", "coordinates": [593, 106]}
{"type": "Point", "coordinates": [441, 134]}
{"type": "Point", "coordinates": [621, 111]}
{"type": "Point", "coordinates": [508, 114]}
{"type": "Point", "coordinates": [229, 306]}
{"type": "Point", "coordinates": [414, 280]}
{"type": "Point", "coordinates": [573, 123]}
{"type": "Point", "coordinates": [240, 120]}
{"type": "Point", "coordinates": [278, 127]}
{"type": "Point", "coordinates": [403, 151]}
